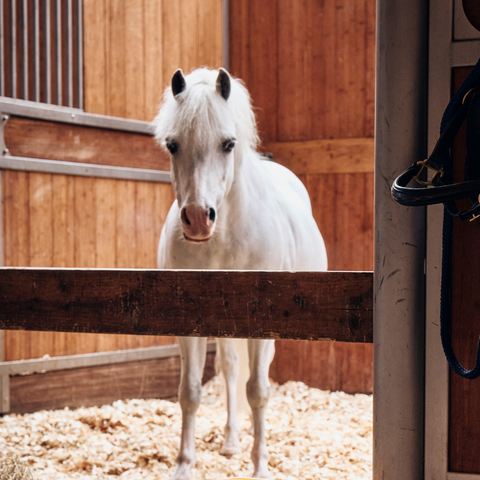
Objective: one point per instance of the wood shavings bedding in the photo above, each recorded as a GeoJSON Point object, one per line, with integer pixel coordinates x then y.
{"type": "Point", "coordinates": [311, 435]}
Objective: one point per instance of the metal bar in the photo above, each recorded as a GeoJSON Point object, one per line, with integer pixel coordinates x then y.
{"type": "Point", "coordinates": [69, 65]}
{"type": "Point", "coordinates": [80, 53]}
{"type": "Point", "coordinates": [399, 285]}
{"type": "Point", "coordinates": [2, 51]}
{"type": "Point", "coordinates": [24, 164]}
{"type": "Point", "coordinates": [25, 51]}
{"type": "Point", "coordinates": [13, 49]}
{"type": "Point", "coordinates": [58, 51]}
{"type": "Point", "coordinates": [68, 362]}
{"type": "Point", "coordinates": [75, 116]}
{"type": "Point", "coordinates": [48, 54]}
{"type": "Point", "coordinates": [36, 60]}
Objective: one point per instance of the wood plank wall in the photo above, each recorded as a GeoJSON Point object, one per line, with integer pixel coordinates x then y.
{"type": "Point", "coordinates": [464, 416]}
{"type": "Point", "coordinates": [309, 67]}
{"type": "Point", "coordinates": [131, 49]}
{"type": "Point", "coordinates": [63, 221]}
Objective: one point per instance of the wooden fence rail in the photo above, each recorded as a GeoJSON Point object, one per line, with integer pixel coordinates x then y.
{"type": "Point", "coordinates": [335, 306]}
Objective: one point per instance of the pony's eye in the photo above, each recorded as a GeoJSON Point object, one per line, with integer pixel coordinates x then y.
{"type": "Point", "coordinates": [172, 146]}
{"type": "Point", "coordinates": [227, 145]}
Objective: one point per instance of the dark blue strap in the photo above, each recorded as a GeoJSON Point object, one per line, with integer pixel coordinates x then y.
{"type": "Point", "coordinates": [470, 82]}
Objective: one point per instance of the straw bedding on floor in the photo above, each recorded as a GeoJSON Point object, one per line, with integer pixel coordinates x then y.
{"type": "Point", "coordinates": [311, 435]}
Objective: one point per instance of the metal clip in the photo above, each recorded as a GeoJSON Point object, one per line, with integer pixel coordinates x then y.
{"type": "Point", "coordinates": [474, 217]}
{"type": "Point", "coordinates": [466, 95]}
{"type": "Point", "coordinates": [424, 164]}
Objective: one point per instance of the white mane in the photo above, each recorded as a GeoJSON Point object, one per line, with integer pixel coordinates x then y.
{"type": "Point", "coordinates": [202, 111]}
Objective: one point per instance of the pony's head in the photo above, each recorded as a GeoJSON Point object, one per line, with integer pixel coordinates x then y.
{"type": "Point", "coordinates": [205, 121]}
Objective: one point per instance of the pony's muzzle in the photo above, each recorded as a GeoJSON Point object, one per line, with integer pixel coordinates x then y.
{"type": "Point", "coordinates": [198, 223]}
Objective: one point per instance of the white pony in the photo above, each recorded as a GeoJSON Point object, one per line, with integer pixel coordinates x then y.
{"type": "Point", "coordinates": [234, 210]}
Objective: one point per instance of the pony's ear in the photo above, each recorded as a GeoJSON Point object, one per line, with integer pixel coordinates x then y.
{"type": "Point", "coordinates": [223, 83]}
{"type": "Point", "coordinates": [178, 82]}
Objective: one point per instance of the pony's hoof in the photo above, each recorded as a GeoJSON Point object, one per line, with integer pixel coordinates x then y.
{"type": "Point", "coordinates": [264, 474]}
{"type": "Point", "coordinates": [182, 472]}
{"type": "Point", "coordinates": [230, 449]}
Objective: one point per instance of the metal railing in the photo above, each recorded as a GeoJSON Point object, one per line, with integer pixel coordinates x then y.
{"type": "Point", "coordinates": [41, 51]}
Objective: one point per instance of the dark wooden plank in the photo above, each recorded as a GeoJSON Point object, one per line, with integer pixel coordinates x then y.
{"type": "Point", "coordinates": [472, 12]}
{"type": "Point", "coordinates": [73, 143]}
{"type": "Point", "coordinates": [290, 305]}
{"type": "Point", "coordinates": [464, 415]}
{"type": "Point", "coordinates": [86, 387]}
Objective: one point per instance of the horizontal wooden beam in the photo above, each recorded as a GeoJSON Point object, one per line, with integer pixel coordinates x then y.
{"type": "Point", "coordinates": [334, 306]}
{"type": "Point", "coordinates": [87, 360]}
{"type": "Point", "coordinates": [342, 155]}
{"type": "Point", "coordinates": [31, 138]}
{"type": "Point", "coordinates": [99, 385]}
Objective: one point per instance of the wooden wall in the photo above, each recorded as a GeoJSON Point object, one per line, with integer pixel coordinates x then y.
{"type": "Point", "coordinates": [309, 66]}
{"type": "Point", "coordinates": [464, 416]}
{"type": "Point", "coordinates": [131, 49]}
{"type": "Point", "coordinates": [64, 221]}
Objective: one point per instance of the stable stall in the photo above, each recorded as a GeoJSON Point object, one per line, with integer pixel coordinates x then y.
{"type": "Point", "coordinates": [83, 184]}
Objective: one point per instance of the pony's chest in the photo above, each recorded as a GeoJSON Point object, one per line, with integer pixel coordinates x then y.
{"type": "Point", "coordinates": [233, 255]}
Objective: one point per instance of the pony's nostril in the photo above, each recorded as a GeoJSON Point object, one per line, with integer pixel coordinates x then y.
{"type": "Point", "coordinates": [185, 217]}
{"type": "Point", "coordinates": [212, 215]}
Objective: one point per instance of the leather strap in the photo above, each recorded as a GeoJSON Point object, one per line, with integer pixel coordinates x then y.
{"type": "Point", "coordinates": [437, 191]}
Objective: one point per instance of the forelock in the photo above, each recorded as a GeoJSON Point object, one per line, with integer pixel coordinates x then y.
{"type": "Point", "coordinates": [204, 114]}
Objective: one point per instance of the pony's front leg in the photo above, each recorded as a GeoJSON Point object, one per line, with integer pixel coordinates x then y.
{"type": "Point", "coordinates": [193, 352]}
{"type": "Point", "coordinates": [260, 353]}
{"type": "Point", "coordinates": [228, 360]}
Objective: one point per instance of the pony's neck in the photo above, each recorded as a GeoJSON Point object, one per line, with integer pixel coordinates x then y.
{"type": "Point", "coordinates": [247, 181]}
